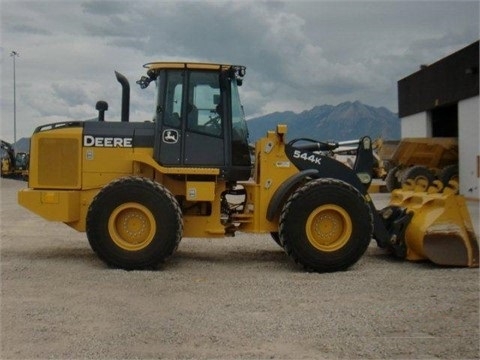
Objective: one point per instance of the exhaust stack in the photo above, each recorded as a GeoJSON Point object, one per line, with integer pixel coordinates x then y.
{"type": "Point", "coordinates": [125, 96]}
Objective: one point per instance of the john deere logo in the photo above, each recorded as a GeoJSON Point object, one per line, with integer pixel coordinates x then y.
{"type": "Point", "coordinates": [170, 136]}
{"type": "Point", "coordinates": [100, 141]}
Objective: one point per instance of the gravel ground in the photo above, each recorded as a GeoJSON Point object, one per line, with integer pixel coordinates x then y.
{"type": "Point", "coordinates": [234, 298]}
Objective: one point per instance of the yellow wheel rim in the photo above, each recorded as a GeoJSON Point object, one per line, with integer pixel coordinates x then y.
{"type": "Point", "coordinates": [422, 182]}
{"type": "Point", "coordinates": [454, 178]}
{"type": "Point", "coordinates": [329, 227]}
{"type": "Point", "coordinates": [132, 226]}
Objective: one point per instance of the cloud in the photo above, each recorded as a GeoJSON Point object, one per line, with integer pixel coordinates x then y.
{"type": "Point", "coordinates": [106, 7]}
{"type": "Point", "coordinates": [298, 53]}
{"type": "Point", "coordinates": [71, 93]}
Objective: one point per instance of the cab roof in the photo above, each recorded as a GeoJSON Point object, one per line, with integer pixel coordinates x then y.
{"type": "Point", "coordinates": [186, 65]}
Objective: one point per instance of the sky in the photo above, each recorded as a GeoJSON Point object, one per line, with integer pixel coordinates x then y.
{"type": "Point", "coordinates": [298, 54]}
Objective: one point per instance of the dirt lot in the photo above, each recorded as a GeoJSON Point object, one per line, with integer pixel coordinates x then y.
{"type": "Point", "coordinates": [237, 298]}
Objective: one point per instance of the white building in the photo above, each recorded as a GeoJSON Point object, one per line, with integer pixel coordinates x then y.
{"type": "Point", "coordinates": [442, 100]}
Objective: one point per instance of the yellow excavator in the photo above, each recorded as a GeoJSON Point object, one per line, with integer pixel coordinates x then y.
{"type": "Point", "coordinates": [138, 188]}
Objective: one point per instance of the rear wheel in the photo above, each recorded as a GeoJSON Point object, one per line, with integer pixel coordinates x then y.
{"type": "Point", "coordinates": [326, 225]}
{"type": "Point", "coordinates": [134, 223]}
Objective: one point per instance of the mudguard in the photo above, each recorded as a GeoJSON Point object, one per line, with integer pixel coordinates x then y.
{"type": "Point", "coordinates": [305, 156]}
{"type": "Point", "coordinates": [284, 189]}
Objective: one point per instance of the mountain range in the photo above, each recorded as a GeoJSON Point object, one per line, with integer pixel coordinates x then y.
{"type": "Point", "coordinates": [346, 121]}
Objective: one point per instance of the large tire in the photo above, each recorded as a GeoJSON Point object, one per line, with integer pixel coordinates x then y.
{"type": "Point", "coordinates": [134, 223]}
{"type": "Point", "coordinates": [391, 180]}
{"type": "Point", "coordinates": [448, 173]}
{"type": "Point", "coordinates": [420, 176]}
{"type": "Point", "coordinates": [326, 225]}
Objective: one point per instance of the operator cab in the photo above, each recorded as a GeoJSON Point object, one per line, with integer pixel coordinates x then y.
{"type": "Point", "coordinates": [199, 120]}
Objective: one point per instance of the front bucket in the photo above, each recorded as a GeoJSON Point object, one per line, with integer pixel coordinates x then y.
{"type": "Point", "coordinates": [441, 229]}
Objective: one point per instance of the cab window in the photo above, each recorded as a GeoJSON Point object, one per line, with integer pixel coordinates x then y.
{"type": "Point", "coordinates": [173, 99]}
{"type": "Point", "coordinates": [204, 111]}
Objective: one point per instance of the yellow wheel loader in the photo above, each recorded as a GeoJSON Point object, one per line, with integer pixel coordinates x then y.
{"type": "Point", "coordinates": [138, 188]}
{"type": "Point", "coordinates": [422, 160]}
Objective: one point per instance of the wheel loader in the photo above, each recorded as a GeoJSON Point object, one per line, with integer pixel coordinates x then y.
{"type": "Point", "coordinates": [422, 160]}
{"type": "Point", "coordinates": [13, 164]}
{"type": "Point", "coordinates": [138, 188]}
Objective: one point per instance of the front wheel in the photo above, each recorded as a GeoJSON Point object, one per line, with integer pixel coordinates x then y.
{"type": "Point", "coordinates": [134, 223]}
{"type": "Point", "coordinates": [326, 225]}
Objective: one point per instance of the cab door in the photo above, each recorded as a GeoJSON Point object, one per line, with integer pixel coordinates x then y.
{"type": "Point", "coordinates": [190, 119]}
{"type": "Point", "coordinates": [204, 127]}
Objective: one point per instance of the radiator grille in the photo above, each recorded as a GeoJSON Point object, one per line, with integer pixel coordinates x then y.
{"type": "Point", "coordinates": [58, 162]}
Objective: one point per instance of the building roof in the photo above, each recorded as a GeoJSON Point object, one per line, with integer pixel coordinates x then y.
{"type": "Point", "coordinates": [444, 82]}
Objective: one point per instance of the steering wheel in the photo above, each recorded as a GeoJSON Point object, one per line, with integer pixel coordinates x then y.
{"type": "Point", "coordinates": [215, 124]}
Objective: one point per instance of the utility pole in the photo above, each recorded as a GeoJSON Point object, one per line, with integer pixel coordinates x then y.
{"type": "Point", "coordinates": [14, 54]}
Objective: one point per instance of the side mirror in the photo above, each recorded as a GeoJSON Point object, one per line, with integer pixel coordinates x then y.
{"type": "Point", "coordinates": [144, 82]}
